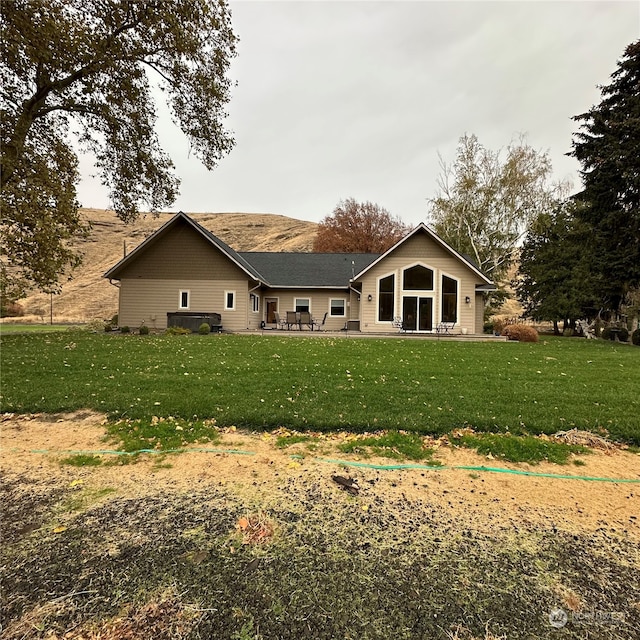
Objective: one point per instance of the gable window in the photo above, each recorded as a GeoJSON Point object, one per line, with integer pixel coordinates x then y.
{"type": "Point", "coordinates": [229, 300]}
{"type": "Point", "coordinates": [386, 298]}
{"type": "Point", "coordinates": [417, 278]}
{"type": "Point", "coordinates": [338, 307]}
{"type": "Point", "coordinates": [303, 304]}
{"type": "Point", "coordinates": [183, 302]}
{"type": "Point", "coordinates": [449, 299]}
{"type": "Point", "coordinates": [255, 302]}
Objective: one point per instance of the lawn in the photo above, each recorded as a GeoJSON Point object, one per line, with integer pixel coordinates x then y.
{"type": "Point", "coordinates": [257, 382]}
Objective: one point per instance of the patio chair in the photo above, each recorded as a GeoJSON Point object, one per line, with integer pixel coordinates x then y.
{"type": "Point", "coordinates": [305, 318]}
{"type": "Point", "coordinates": [292, 319]}
{"type": "Point", "coordinates": [279, 321]}
{"type": "Point", "coordinates": [319, 325]}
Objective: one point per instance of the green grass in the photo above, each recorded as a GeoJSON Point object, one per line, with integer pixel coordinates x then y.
{"type": "Point", "coordinates": [429, 387]}
{"type": "Point", "coordinates": [161, 434]}
{"type": "Point", "coordinates": [286, 441]}
{"type": "Point", "coordinates": [7, 328]}
{"type": "Point", "coordinates": [519, 448]}
{"type": "Point", "coordinates": [395, 445]}
{"type": "Point", "coordinates": [82, 460]}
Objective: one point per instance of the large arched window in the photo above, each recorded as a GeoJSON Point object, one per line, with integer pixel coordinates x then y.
{"type": "Point", "coordinates": [386, 298]}
{"type": "Point", "coordinates": [417, 278]}
{"type": "Point", "coordinates": [449, 299]}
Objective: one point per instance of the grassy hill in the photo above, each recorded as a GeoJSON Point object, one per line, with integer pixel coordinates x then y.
{"type": "Point", "coordinates": [88, 295]}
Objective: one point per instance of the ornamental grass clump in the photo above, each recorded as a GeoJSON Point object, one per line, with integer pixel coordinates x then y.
{"type": "Point", "coordinates": [520, 332]}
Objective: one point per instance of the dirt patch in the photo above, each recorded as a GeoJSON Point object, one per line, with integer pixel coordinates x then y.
{"type": "Point", "coordinates": [100, 552]}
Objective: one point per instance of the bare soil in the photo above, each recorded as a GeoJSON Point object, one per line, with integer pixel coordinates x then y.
{"type": "Point", "coordinates": [162, 547]}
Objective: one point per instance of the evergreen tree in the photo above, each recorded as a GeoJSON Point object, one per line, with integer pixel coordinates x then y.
{"type": "Point", "coordinates": [608, 148]}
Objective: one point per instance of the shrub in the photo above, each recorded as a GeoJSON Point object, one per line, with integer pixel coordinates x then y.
{"type": "Point", "coordinates": [107, 328]}
{"type": "Point", "coordinates": [499, 326]}
{"type": "Point", "coordinates": [177, 331]}
{"type": "Point", "coordinates": [623, 334]}
{"type": "Point", "coordinates": [487, 327]}
{"type": "Point", "coordinates": [204, 329]}
{"type": "Point", "coordinates": [144, 330]}
{"type": "Point", "coordinates": [114, 320]}
{"type": "Point", "coordinates": [605, 334]}
{"type": "Point", "coordinates": [12, 310]}
{"type": "Point", "coordinates": [635, 337]}
{"type": "Point", "coordinates": [520, 332]}
{"type": "Point", "coordinates": [568, 332]}
{"type": "Point", "coordinates": [125, 329]}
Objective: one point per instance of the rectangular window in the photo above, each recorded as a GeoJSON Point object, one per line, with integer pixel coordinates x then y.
{"type": "Point", "coordinates": [449, 299]}
{"type": "Point", "coordinates": [303, 304]}
{"type": "Point", "coordinates": [338, 307]}
{"type": "Point", "coordinates": [229, 300]}
{"type": "Point", "coordinates": [255, 302]}
{"type": "Point", "coordinates": [386, 298]}
{"type": "Point", "coordinates": [184, 300]}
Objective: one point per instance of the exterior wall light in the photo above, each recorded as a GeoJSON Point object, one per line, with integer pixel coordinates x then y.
{"type": "Point", "coordinates": [467, 299]}
{"type": "Point", "coordinates": [369, 297]}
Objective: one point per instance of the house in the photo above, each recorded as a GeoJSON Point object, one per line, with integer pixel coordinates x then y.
{"type": "Point", "coordinates": [183, 267]}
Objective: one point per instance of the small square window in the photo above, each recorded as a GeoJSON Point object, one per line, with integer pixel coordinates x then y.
{"type": "Point", "coordinates": [303, 304]}
{"type": "Point", "coordinates": [337, 307]}
{"type": "Point", "coordinates": [184, 300]}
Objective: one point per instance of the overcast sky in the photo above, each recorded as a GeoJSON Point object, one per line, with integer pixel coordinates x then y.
{"type": "Point", "coordinates": [338, 99]}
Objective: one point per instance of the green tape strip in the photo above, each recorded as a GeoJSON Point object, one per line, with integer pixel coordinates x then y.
{"type": "Point", "coordinates": [392, 467]}
{"type": "Point", "coordinates": [349, 463]}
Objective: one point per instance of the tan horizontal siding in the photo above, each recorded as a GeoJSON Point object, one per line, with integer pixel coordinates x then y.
{"type": "Point", "coordinates": [182, 253]}
{"type": "Point", "coordinates": [421, 249]}
{"type": "Point", "coordinates": [148, 301]}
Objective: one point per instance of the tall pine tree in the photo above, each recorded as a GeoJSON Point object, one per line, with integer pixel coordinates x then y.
{"type": "Point", "coordinates": [608, 148]}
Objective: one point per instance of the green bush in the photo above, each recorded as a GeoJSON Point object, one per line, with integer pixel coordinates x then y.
{"type": "Point", "coordinates": [144, 330]}
{"type": "Point", "coordinates": [635, 337]}
{"type": "Point", "coordinates": [108, 328]}
{"type": "Point", "coordinates": [114, 320]}
{"type": "Point", "coordinates": [568, 332]}
{"type": "Point", "coordinates": [605, 334]}
{"type": "Point", "coordinates": [125, 329]}
{"type": "Point", "coordinates": [623, 334]}
{"type": "Point", "coordinates": [177, 331]}
{"type": "Point", "coordinates": [204, 329]}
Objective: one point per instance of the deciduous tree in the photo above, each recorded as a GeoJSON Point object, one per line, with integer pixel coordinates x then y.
{"type": "Point", "coordinates": [485, 203]}
{"type": "Point", "coordinates": [356, 227]}
{"type": "Point", "coordinates": [608, 148]}
{"type": "Point", "coordinates": [80, 73]}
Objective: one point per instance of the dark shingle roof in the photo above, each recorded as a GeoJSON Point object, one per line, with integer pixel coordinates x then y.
{"type": "Point", "coordinates": [308, 269]}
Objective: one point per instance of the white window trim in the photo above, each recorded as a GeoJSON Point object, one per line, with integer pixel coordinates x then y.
{"type": "Point", "coordinates": [436, 275]}
{"type": "Point", "coordinates": [376, 298]}
{"type": "Point", "coordinates": [188, 292]}
{"type": "Point", "coordinates": [226, 299]}
{"type": "Point", "coordinates": [440, 294]}
{"type": "Point", "coordinates": [295, 303]}
{"type": "Point", "coordinates": [341, 315]}
{"type": "Point", "coordinates": [255, 308]}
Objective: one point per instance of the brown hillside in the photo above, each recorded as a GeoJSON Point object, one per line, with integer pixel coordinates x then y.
{"type": "Point", "coordinates": [88, 295]}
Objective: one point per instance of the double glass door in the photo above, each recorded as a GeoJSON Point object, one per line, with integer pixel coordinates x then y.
{"type": "Point", "coordinates": [417, 313]}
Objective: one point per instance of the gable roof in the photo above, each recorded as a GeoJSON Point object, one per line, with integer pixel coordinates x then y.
{"type": "Point", "coordinates": [308, 269]}
{"type": "Point", "coordinates": [422, 228]}
{"type": "Point", "coordinates": [234, 256]}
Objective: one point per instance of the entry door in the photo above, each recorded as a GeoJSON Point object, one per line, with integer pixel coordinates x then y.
{"type": "Point", "coordinates": [272, 308]}
{"type": "Point", "coordinates": [417, 313]}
